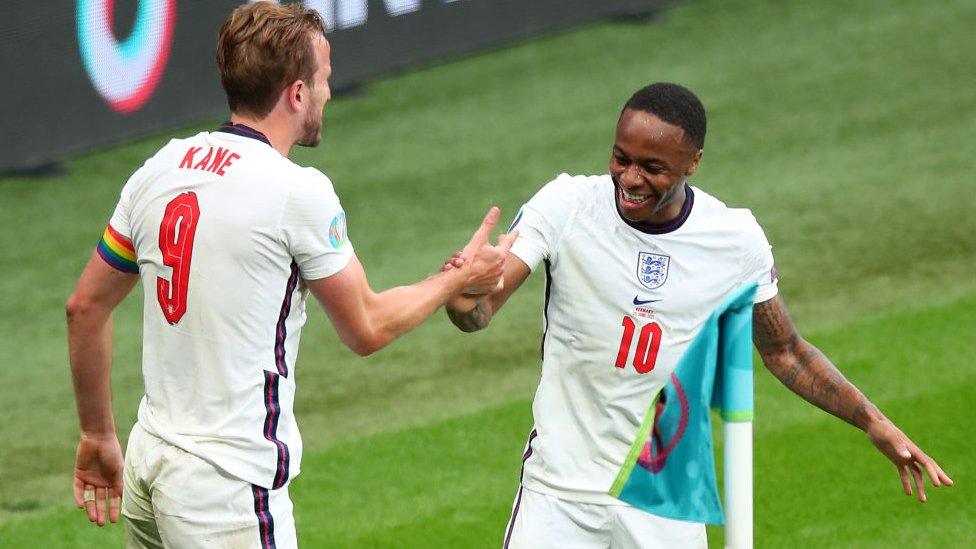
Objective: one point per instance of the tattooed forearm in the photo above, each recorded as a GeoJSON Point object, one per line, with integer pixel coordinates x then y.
{"type": "Point", "coordinates": [804, 369]}
{"type": "Point", "coordinates": [473, 320]}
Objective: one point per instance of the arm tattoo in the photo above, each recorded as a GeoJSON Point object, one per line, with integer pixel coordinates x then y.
{"type": "Point", "coordinates": [473, 320]}
{"type": "Point", "coordinates": [803, 368]}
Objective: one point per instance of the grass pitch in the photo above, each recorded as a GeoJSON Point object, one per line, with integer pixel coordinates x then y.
{"type": "Point", "coordinates": [845, 126]}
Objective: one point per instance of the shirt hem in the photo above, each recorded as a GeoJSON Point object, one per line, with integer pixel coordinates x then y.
{"type": "Point", "coordinates": [599, 498]}
{"type": "Point", "coordinates": [229, 467]}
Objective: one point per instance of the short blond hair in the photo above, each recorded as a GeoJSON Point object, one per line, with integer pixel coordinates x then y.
{"type": "Point", "coordinates": [262, 48]}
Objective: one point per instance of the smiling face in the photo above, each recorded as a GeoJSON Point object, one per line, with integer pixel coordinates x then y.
{"type": "Point", "coordinates": [650, 163]}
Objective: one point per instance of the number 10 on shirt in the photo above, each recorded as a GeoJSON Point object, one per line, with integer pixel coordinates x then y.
{"type": "Point", "coordinates": [648, 344]}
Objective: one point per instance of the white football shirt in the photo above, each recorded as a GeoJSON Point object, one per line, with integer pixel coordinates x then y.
{"type": "Point", "coordinates": [224, 229]}
{"type": "Point", "coordinates": [623, 302]}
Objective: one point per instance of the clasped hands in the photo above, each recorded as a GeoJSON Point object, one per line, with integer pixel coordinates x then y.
{"type": "Point", "coordinates": [481, 262]}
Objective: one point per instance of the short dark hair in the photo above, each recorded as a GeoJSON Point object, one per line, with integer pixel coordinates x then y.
{"type": "Point", "coordinates": [673, 104]}
{"type": "Point", "coordinates": [262, 48]}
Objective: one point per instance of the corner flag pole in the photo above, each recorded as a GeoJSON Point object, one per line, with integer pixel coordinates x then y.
{"type": "Point", "coordinates": [738, 397]}
{"type": "Point", "coordinates": [738, 484]}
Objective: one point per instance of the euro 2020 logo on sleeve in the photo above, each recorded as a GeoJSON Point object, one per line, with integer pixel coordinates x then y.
{"type": "Point", "coordinates": [515, 221]}
{"type": "Point", "coordinates": [337, 230]}
{"type": "Point", "coordinates": [652, 269]}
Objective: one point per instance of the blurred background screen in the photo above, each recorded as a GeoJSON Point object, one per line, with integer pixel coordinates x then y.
{"type": "Point", "coordinates": [86, 74]}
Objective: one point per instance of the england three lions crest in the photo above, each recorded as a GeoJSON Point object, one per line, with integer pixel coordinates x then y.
{"type": "Point", "coordinates": [652, 269]}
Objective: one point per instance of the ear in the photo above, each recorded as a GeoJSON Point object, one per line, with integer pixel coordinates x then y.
{"type": "Point", "coordinates": [694, 163]}
{"type": "Point", "coordinates": [296, 95]}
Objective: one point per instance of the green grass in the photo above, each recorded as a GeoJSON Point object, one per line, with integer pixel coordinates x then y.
{"type": "Point", "coordinates": [845, 126]}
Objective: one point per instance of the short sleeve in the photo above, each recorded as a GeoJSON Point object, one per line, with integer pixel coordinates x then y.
{"type": "Point", "coordinates": [758, 262]}
{"type": "Point", "coordinates": [542, 220]}
{"type": "Point", "coordinates": [120, 217]}
{"type": "Point", "coordinates": [313, 225]}
{"type": "Point", "coordinates": [115, 247]}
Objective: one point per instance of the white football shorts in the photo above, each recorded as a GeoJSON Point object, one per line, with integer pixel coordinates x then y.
{"type": "Point", "coordinates": [172, 498]}
{"type": "Point", "coordinates": [541, 521]}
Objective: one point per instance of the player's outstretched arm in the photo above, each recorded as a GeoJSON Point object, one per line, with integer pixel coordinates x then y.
{"type": "Point", "coordinates": [471, 312]}
{"type": "Point", "coordinates": [98, 463]}
{"type": "Point", "coordinates": [810, 374]}
{"type": "Point", "coordinates": [367, 321]}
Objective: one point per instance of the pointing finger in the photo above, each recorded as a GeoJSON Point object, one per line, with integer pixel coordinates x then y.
{"type": "Point", "coordinates": [481, 235]}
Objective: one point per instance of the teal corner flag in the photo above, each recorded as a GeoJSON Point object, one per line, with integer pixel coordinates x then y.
{"type": "Point", "coordinates": [670, 470]}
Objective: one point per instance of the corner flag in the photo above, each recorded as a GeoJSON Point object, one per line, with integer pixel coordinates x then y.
{"type": "Point", "coordinates": [670, 469]}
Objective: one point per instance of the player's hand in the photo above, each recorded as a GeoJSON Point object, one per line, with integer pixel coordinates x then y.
{"type": "Point", "coordinates": [98, 471]}
{"type": "Point", "coordinates": [908, 458]}
{"type": "Point", "coordinates": [468, 298]}
{"type": "Point", "coordinates": [456, 261]}
{"type": "Point", "coordinates": [483, 272]}
{"type": "Point", "coordinates": [461, 302]}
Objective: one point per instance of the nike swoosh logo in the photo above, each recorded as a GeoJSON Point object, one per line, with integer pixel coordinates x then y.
{"type": "Point", "coordinates": [645, 302]}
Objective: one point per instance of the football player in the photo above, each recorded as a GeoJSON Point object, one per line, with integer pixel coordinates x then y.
{"type": "Point", "coordinates": [229, 237]}
{"type": "Point", "coordinates": [635, 262]}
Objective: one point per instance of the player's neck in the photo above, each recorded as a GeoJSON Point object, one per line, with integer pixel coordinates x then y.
{"type": "Point", "coordinates": [278, 133]}
{"type": "Point", "coordinates": [671, 211]}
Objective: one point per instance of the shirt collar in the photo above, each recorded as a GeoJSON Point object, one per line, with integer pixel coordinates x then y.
{"type": "Point", "coordinates": [660, 228]}
{"type": "Point", "coordinates": [244, 131]}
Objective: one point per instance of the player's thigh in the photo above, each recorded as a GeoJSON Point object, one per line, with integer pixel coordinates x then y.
{"type": "Point", "coordinates": [541, 521]}
{"type": "Point", "coordinates": [199, 506]}
{"type": "Point", "coordinates": [137, 510]}
{"type": "Point", "coordinates": [636, 529]}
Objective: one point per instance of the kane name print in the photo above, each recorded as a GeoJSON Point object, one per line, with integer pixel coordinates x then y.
{"type": "Point", "coordinates": [216, 160]}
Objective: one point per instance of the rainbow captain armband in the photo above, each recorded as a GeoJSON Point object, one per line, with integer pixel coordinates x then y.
{"type": "Point", "coordinates": [118, 251]}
